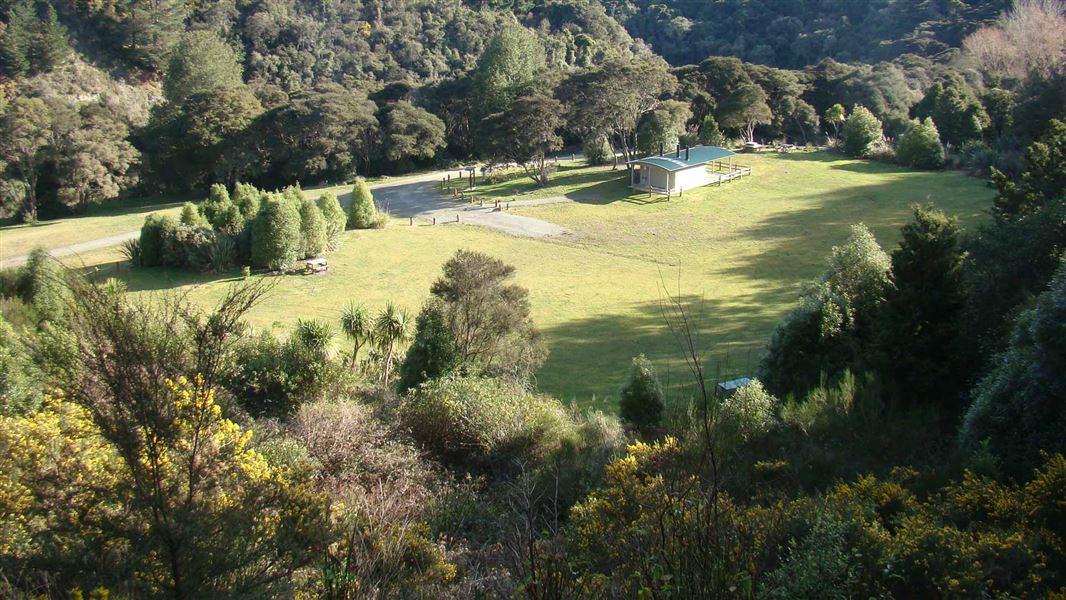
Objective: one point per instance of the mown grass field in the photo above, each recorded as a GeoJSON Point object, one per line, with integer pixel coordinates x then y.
{"type": "Point", "coordinates": [737, 253]}
{"type": "Point", "coordinates": [98, 222]}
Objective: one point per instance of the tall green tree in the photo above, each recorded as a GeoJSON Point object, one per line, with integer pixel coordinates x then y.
{"type": "Point", "coordinates": [1043, 181]}
{"type": "Point", "coordinates": [48, 45]}
{"type": "Point", "coordinates": [920, 146]}
{"type": "Point", "coordinates": [276, 234]}
{"type": "Point", "coordinates": [1017, 412]}
{"type": "Point", "coordinates": [861, 131]}
{"type": "Point", "coordinates": [313, 235]}
{"type": "Point", "coordinates": [95, 160]}
{"type": "Point", "coordinates": [958, 114]}
{"type": "Point", "coordinates": [614, 98]}
{"type": "Point", "coordinates": [527, 133]}
{"type": "Point", "coordinates": [150, 30]}
{"type": "Point", "coordinates": [201, 62]}
{"type": "Point", "coordinates": [744, 109]}
{"type": "Point", "coordinates": [507, 69]}
{"type": "Point", "coordinates": [363, 214]}
{"type": "Point", "coordinates": [641, 399]}
{"type": "Point", "coordinates": [663, 127]}
{"type": "Point", "coordinates": [336, 220]}
{"type": "Point", "coordinates": [325, 132]}
{"type": "Point", "coordinates": [433, 353]}
{"type": "Point", "coordinates": [488, 316]}
{"type": "Point", "coordinates": [411, 132]}
{"type": "Point", "coordinates": [217, 139]}
{"type": "Point", "coordinates": [25, 129]}
{"type": "Point", "coordinates": [922, 348]}
{"type": "Point", "coordinates": [834, 327]}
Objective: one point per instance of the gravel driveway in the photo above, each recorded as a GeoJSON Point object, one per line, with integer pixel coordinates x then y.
{"type": "Point", "coordinates": [421, 199]}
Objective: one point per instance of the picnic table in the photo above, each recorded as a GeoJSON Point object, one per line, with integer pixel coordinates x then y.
{"type": "Point", "coordinates": [316, 265]}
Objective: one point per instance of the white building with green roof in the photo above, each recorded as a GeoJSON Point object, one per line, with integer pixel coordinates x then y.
{"type": "Point", "coordinates": [684, 169]}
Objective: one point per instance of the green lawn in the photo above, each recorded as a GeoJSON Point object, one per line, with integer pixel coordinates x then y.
{"type": "Point", "coordinates": [109, 219]}
{"type": "Point", "coordinates": [114, 218]}
{"type": "Point", "coordinates": [740, 251]}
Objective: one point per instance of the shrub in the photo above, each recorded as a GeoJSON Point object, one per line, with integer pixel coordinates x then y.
{"type": "Point", "coordinates": [217, 201]}
{"type": "Point", "coordinates": [598, 150]}
{"type": "Point", "coordinates": [294, 194]}
{"type": "Point", "coordinates": [336, 220]}
{"type": "Point", "coordinates": [750, 412]}
{"type": "Point", "coordinates": [818, 565]}
{"type": "Point", "coordinates": [131, 251]}
{"type": "Point", "coordinates": [20, 379]}
{"type": "Point", "coordinates": [920, 146]}
{"type": "Point", "coordinates": [155, 232]}
{"type": "Point", "coordinates": [229, 220]}
{"type": "Point", "coordinates": [1018, 406]}
{"type": "Point", "coordinates": [350, 446]}
{"type": "Point", "coordinates": [835, 320]}
{"type": "Point", "coordinates": [710, 134]}
{"type": "Point", "coordinates": [641, 401]}
{"type": "Point", "coordinates": [434, 352]}
{"type": "Point", "coordinates": [276, 234]}
{"type": "Point", "coordinates": [190, 215]}
{"type": "Point", "coordinates": [273, 378]}
{"type": "Point", "coordinates": [223, 254]}
{"type": "Point", "coordinates": [46, 285]}
{"type": "Point", "coordinates": [861, 130]}
{"type": "Point", "coordinates": [363, 214]}
{"type": "Point", "coordinates": [246, 198]}
{"type": "Point", "coordinates": [312, 230]}
{"type": "Point", "coordinates": [478, 420]}
{"type": "Point", "coordinates": [189, 247]}
{"type": "Point", "coordinates": [977, 157]}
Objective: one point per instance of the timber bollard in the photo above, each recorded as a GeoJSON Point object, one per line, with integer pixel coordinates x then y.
{"type": "Point", "coordinates": [410, 221]}
{"type": "Point", "coordinates": [456, 217]}
{"type": "Point", "coordinates": [434, 220]}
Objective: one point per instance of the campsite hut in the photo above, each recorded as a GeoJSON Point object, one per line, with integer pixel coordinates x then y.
{"type": "Point", "coordinates": [683, 169]}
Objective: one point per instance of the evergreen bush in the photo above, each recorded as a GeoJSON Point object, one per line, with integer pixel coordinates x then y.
{"type": "Point", "coordinates": [363, 214]}
{"type": "Point", "coordinates": [642, 399]}
{"type": "Point", "coordinates": [920, 146]}
{"type": "Point", "coordinates": [312, 230]}
{"type": "Point", "coordinates": [276, 234]}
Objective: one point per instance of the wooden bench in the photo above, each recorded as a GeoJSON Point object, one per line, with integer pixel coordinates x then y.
{"type": "Point", "coordinates": [316, 265]}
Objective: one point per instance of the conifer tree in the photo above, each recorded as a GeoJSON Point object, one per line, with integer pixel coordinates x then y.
{"type": "Point", "coordinates": [336, 220]}
{"type": "Point", "coordinates": [363, 214]}
{"type": "Point", "coordinates": [920, 146]}
{"type": "Point", "coordinates": [861, 130]}
{"type": "Point", "coordinates": [642, 396]}
{"type": "Point", "coordinates": [312, 230]}
{"type": "Point", "coordinates": [276, 234]}
{"type": "Point", "coordinates": [433, 352]}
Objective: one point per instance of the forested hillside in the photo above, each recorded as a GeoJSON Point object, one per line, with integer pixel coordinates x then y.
{"type": "Point", "coordinates": [167, 96]}
{"type": "Point", "coordinates": [802, 32]}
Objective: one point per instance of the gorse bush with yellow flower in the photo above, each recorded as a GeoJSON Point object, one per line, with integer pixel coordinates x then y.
{"type": "Point", "coordinates": [657, 529]}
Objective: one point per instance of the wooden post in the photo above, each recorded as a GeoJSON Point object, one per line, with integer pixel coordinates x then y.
{"type": "Point", "coordinates": [456, 217]}
{"type": "Point", "coordinates": [434, 220]}
{"type": "Point", "coordinates": [410, 221]}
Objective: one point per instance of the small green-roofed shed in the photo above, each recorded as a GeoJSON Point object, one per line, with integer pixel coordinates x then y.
{"type": "Point", "coordinates": [682, 169]}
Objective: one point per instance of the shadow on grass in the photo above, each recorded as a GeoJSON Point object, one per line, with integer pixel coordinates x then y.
{"type": "Point", "coordinates": [590, 357]}
{"type": "Point", "coordinates": [796, 242]}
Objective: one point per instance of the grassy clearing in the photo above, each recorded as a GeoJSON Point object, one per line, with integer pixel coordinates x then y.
{"type": "Point", "coordinates": [118, 217]}
{"type": "Point", "coordinates": [106, 220]}
{"type": "Point", "coordinates": [741, 252]}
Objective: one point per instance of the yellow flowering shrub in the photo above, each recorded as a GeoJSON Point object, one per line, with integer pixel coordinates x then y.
{"type": "Point", "coordinates": [60, 484]}
{"type": "Point", "coordinates": [77, 509]}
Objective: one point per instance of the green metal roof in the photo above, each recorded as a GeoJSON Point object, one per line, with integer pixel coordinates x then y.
{"type": "Point", "coordinates": [697, 155]}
